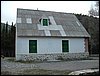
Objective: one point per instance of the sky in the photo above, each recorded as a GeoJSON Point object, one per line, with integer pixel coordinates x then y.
{"type": "Point", "coordinates": [9, 8]}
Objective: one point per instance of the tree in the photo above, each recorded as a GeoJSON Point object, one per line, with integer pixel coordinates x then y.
{"type": "Point", "coordinates": [94, 11]}
{"type": "Point", "coordinates": [7, 39]}
{"type": "Point", "coordinates": [12, 39]}
{"type": "Point", "coordinates": [91, 24]}
{"type": "Point", "coordinates": [3, 29]}
{"type": "Point", "coordinates": [6, 27]}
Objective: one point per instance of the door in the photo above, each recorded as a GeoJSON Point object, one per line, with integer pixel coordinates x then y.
{"type": "Point", "coordinates": [32, 46]}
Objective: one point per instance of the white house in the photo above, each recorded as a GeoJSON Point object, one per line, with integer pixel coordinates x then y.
{"type": "Point", "coordinates": [47, 35]}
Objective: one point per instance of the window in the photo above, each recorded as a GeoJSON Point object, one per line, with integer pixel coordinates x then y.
{"type": "Point", "coordinates": [65, 46]}
{"type": "Point", "coordinates": [32, 46]}
{"type": "Point", "coordinates": [28, 20]}
{"type": "Point", "coordinates": [45, 22]}
{"type": "Point", "coordinates": [18, 20]}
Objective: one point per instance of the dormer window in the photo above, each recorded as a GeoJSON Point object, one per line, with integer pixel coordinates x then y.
{"type": "Point", "coordinates": [45, 22]}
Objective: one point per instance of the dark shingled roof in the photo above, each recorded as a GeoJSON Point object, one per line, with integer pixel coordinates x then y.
{"type": "Point", "coordinates": [66, 24]}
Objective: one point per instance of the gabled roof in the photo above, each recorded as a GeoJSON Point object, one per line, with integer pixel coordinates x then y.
{"type": "Point", "coordinates": [62, 24]}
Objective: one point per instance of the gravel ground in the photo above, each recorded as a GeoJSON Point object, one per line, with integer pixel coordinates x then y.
{"type": "Point", "coordinates": [18, 67]}
{"type": "Point", "coordinates": [15, 67]}
{"type": "Point", "coordinates": [70, 65]}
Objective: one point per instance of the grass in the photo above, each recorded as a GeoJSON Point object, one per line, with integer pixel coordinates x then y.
{"type": "Point", "coordinates": [44, 72]}
{"type": "Point", "coordinates": [21, 61]}
{"type": "Point", "coordinates": [73, 59]}
{"type": "Point", "coordinates": [5, 73]}
{"type": "Point", "coordinates": [37, 72]}
{"type": "Point", "coordinates": [59, 58]}
{"type": "Point", "coordinates": [11, 59]}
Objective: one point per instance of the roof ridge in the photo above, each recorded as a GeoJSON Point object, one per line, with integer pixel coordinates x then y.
{"type": "Point", "coordinates": [44, 11]}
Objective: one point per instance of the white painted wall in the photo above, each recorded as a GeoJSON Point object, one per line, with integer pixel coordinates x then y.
{"type": "Point", "coordinates": [77, 45]}
{"type": "Point", "coordinates": [50, 45]}
{"type": "Point", "coordinates": [22, 46]}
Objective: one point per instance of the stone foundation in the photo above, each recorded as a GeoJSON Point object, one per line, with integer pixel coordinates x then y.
{"type": "Point", "coordinates": [45, 57]}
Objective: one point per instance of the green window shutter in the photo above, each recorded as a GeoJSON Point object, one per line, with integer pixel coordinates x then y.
{"type": "Point", "coordinates": [45, 22]}
{"type": "Point", "coordinates": [65, 46]}
{"type": "Point", "coordinates": [32, 46]}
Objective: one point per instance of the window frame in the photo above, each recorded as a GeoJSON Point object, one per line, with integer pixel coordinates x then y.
{"type": "Point", "coordinates": [65, 45]}
{"type": "Point", "coordinates": [34, 50]}
{"type": "Point", "coordinates": [45, 24]}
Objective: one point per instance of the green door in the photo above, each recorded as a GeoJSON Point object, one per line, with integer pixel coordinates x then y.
{"type": "Point", "coordinates": [32, 46]}
{"type": "Point", "coordinates": [65, 46]}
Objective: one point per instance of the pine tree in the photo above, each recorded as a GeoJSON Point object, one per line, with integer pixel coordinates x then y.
{"type": "Point", "coordinates": [3, 39]}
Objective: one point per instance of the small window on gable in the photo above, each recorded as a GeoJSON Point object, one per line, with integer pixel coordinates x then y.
{"type": "Point", "coordinates": [45, 22]}
{"type": "Point", "coordinates": [28, 20]}
{"type": "Point", "coordinates": [18, 20]}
